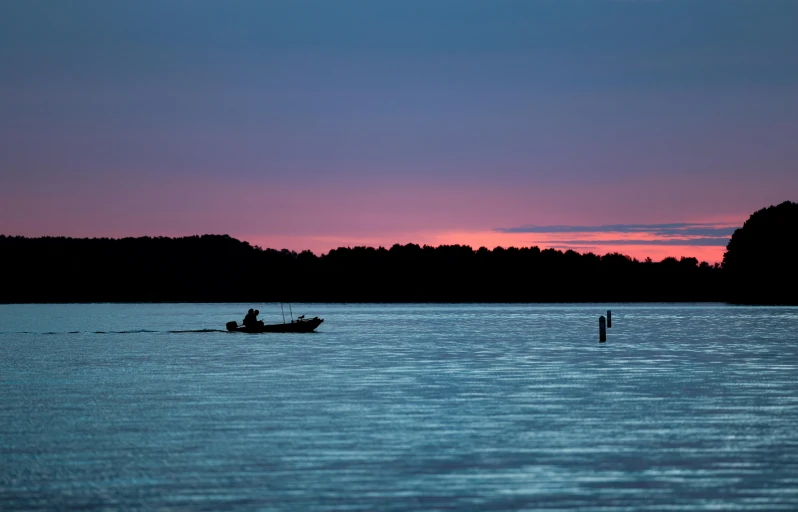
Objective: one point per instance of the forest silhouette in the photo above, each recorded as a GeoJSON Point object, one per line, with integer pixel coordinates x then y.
{"type": "Point", "coordinates": [759, 267]}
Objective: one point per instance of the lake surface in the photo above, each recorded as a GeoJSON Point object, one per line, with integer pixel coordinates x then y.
{"type": "Point", "coordinates": [399, 407]}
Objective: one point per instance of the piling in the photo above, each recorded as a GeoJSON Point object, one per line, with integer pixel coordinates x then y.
{"type": "Point", "coordinates": [609, 319]}
{"type": "Point", "coordinates": [602, 330]}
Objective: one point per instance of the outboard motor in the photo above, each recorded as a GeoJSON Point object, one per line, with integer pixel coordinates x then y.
{"type": "Point", "coordinates": [232, 326]}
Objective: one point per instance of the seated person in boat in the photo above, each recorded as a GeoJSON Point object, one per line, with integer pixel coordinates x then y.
{"type": "Point", "coordinates": [249, 320]}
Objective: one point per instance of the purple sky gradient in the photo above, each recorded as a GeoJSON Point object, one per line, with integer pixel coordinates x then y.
{"type": "Point", "coordinates": [315, 124]}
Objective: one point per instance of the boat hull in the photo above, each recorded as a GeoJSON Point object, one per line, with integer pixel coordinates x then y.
{"type": "Point", "coordinates": [308, 325]}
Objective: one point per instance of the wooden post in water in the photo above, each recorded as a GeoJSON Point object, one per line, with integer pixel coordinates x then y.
{"type": "Point", "coordinates": [609, 319]}
{"type": "Point", "coordinates": [602, 330]}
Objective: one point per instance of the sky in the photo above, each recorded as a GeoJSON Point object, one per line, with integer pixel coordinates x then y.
{"type": "Point", "coordinates": [651, 128]}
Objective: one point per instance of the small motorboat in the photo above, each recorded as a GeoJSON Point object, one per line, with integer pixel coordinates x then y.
{"type": "Point", "coordinates": [301, 324]}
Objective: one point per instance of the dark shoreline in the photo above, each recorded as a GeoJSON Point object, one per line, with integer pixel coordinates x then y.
{"type": "Point", "coordinates": [221, 269]}
{"type": "Point", "coordinates": [218, 268]}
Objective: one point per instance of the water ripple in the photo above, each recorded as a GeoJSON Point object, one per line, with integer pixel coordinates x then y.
{"type": "Point", "coordinates": [400, 407]}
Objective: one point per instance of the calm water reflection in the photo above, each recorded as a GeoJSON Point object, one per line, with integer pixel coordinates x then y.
{"type": "Point", "coordinates": [489, 407]}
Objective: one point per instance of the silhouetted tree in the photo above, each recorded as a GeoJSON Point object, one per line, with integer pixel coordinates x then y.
{"type": "Point", "coordinates": [213, 268]}
{"type": "Point", "coordinates": [758, 267]}
{"type": "Point", "coordinates": [760, 260]}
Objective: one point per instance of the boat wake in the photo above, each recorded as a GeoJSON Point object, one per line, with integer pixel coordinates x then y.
{"type": "Point", "coordinates": [135, 331]}
{"type": "Point", "coordinates": [199, 330]}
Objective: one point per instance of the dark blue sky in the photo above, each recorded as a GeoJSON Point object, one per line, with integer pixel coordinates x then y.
{"type": "Point", "coordinates": [318, 122]}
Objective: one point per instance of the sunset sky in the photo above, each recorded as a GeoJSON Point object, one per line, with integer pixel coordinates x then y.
{"type": "Point", "coordinates": [652, 128]}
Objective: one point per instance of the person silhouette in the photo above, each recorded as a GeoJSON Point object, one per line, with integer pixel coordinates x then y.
{"type": "Point", "coordinates": [249, 319]}
{"type": "Point", "coordinates": [255, 320]}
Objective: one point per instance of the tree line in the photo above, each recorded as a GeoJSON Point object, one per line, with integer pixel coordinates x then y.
{"type": "Point", "coordinates": [218, 268]}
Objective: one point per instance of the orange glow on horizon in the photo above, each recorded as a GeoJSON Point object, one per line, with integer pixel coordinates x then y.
{"type": "Point", "coordinates": [598, 243]}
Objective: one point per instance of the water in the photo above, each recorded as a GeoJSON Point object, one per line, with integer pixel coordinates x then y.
{"type": "Point", "coordinates": [399, 407]}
